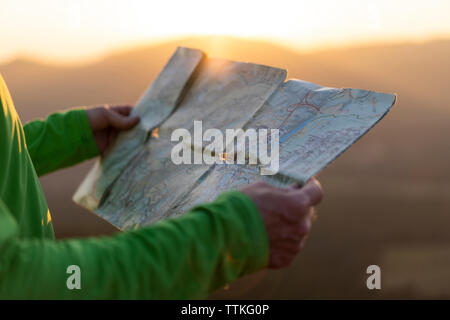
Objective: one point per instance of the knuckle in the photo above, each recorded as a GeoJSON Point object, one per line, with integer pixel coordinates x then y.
{"type": "Point", "coordinates": [289, 214]}
{"type": "Point", "coordinates": [301, 245]}
{"type": "Point", "coordinates": [302, 202]}
{"type": "Point", "coordinates": [304, 229]}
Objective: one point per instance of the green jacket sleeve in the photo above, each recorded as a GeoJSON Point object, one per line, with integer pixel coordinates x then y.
{"type": "Point", "coordinates": [185, 257]}
{"type": "Point", "coordinates": [60, 141]}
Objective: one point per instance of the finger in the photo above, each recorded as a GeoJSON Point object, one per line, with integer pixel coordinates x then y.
{"type": "Point", "coordinates": [313, 214]}
{"type": "Point", "coordinates": [301, 245]}
{"type": "Point", "coordinates": [295, 185]}
{"type": "Point", "coordinates": [278, 261]}
{"type": "Point", "coordinates": [120, 121]}
{"type": "Point", "coordinates": [291, 248]}
{"type": "Point", "coordinates": [304, 227]}
{"type": "Point", "coordinates": [312, 192]}
{"type": "Point", "coordinates": [124, 110]}
{"type": "Point", "coordinates": [294, 234]}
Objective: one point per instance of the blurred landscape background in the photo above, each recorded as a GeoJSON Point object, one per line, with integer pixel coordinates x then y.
{"type": "Point", "coordinates": [387, 199]}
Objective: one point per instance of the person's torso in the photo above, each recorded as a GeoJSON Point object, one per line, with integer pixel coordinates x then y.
{"type": "Point", "coordinates": [20, 189]}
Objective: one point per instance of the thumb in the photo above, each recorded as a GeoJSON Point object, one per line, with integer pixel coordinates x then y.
{"type": "Point", "coordinates": [295, 185]}
{"type": "Point", "coordinates": [120, 121]}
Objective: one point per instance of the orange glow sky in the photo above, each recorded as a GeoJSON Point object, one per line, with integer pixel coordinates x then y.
{"type": "Point", "coordinates": [76, 30]}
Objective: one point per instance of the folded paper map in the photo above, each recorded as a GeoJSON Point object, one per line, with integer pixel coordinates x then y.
{"type": "Point", "coordinates": [137, 182]}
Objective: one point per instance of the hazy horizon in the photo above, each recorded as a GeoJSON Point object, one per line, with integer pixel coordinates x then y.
{"type": "Point", "coordinates": [77, 32]}
{"type": "Point", "coordinates": [123, 49]}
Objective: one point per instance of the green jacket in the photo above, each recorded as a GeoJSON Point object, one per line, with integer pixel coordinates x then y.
{"type": "Point", "coordinates": [186, 257]}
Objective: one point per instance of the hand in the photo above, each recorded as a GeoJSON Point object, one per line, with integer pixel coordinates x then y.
{"type": "Point", "coordinates": [106, 122]}
{"type": "Point", "coordinates": [287, 214]}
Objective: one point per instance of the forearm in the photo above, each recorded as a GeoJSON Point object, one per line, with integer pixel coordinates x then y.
{"type": "Point", "coordinates": [186, 257]}
{"type": "Point", "coordinates": [61, 140]}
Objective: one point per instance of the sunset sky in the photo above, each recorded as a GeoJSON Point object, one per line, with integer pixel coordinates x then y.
{"type": "Point", "coordinates": [69, 30]}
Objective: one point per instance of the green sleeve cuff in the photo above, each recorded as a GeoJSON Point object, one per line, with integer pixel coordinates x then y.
{"type": "Point", "coordinates": [247, 212]}
{"type": "Point", "coordinates": [61, 140]}
{"type": "Point", "coordinates": [84, 133]}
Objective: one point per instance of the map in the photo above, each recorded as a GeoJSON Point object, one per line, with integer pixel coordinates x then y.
{"type": "Point", "coordinates": [137, 183]}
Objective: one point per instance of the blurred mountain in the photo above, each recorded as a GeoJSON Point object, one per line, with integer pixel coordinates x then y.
{"type": "Point", "coordinates": [418, 73]}
{"type": "Point", "coordinates": [391, 189]}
